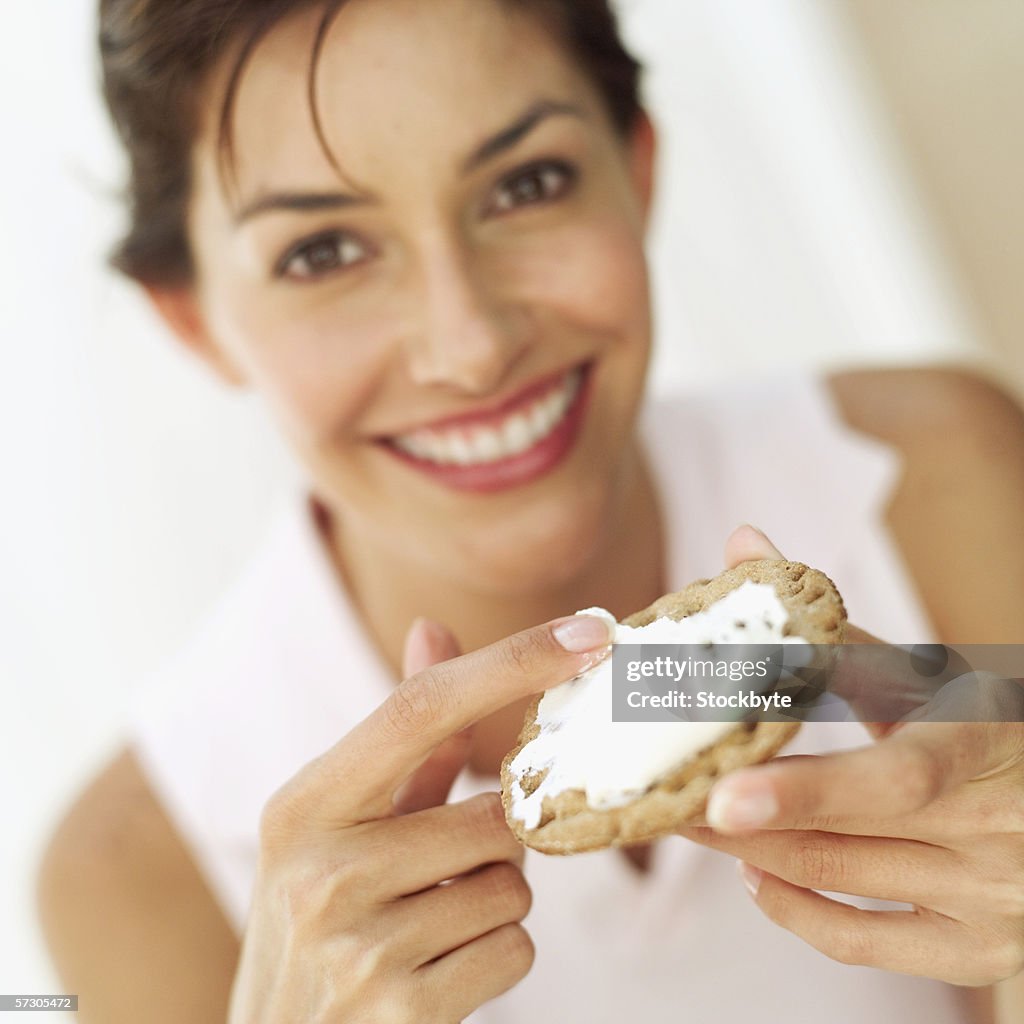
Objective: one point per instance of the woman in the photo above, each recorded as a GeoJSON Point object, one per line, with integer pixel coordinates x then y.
{"type": "Point", "coordinates": [418, 230]}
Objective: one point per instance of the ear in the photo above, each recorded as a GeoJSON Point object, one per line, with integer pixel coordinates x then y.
{"type": "Point", "coordinates": [643, 151]}
{"type": "Point", "coordinates": [179, 309]}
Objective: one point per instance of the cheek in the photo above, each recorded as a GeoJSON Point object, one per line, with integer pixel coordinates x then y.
{"type": "Point", "coordinates": [317, 377]}
{"type": "Point", "coordinates": [596, 276]}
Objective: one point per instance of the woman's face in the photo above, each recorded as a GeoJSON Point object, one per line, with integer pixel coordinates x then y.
{"type": "Point", "coordinates": [452, 324]}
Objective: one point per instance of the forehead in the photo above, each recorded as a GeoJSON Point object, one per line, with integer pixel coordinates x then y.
{"type": "Point", "coordinates": [401, 86]}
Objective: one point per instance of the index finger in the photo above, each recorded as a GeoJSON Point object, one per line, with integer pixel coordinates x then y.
{"type": "Point", "coordinates": [356, 779]}
{"type": "Point", "coordinates": [897, 776]}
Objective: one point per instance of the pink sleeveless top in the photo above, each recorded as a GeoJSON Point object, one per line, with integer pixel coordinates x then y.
{"type": "Point", "coordinates": [281, 670]}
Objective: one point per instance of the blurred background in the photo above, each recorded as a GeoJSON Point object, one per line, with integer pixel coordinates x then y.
{"type": "Point", "coordinates": [840, 184]}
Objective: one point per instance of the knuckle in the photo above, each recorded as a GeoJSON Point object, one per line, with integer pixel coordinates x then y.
{"type": "Point", "coordinates": [1004, 959]}
{"type": "Point", "coordinates": [310, 891]}
{"type": "Point", "coordinates": [511, 890]}
{"type": "Point", "coordinates": [825, 823]}
{"type": "Point", "coordinates": [518, 951]}
{"type": "Point", "coordinates": [363, 959]}
{"type": "Point", "coordinates": [487, 816]}
{"type": "Point", "coordinates": [304, 909]}
{"type": "Point", "coordinates": [820, 863]}
{"type": "Point", "coordinates": [396, 1008]}
{"type": "Point", "coordinates": [519, 652]}
{"type": "Point", "coordinates": [986, 814]}
{"type": "Point", "coordinates": [279, 821]}
{"type": "Point", "coordinates": [852, 946]}
{"type": "Point", "coordinates": [347, 875]}
{"type": "Point", "coordinates": [300, 893]}
{"type": "Point", "coordinates": [418, 702]}
{"type": "Point", "coordinates": [269, 825]}
{"type": "Point", "coordinates": [1013, 899]}
{"type": "Point", "coordinates": [1003, 811]}
{"type": "Point", "coordinates": [1012, 802]}
{"type": "Point", "coordinates": [315, 892]}
{"type": "Point", "coordinates": [1003, 892]}
{"type": "Point", "coordinates": [917, 780]}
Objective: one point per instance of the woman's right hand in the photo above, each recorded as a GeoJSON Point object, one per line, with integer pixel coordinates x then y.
{"type": "Point", "coordinates": [350, 920]}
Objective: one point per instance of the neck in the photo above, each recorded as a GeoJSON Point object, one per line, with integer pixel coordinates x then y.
{"type": "Point", "coordinates": [624, 575]}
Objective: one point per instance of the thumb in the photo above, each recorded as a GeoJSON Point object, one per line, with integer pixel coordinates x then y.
{"type": "Point", "coordinates": [428, 643]}
{"type": "Point", "coordinates": [747, 544]}
{"type": "Point", "coordinates": [865, 671]}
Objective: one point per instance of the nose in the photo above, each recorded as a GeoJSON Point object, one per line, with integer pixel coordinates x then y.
{"type": "Point", "coordinates": [467, 335]}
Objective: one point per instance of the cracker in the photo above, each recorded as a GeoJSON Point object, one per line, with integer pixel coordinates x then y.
{"type": "Point", "coordinates": [569, 825]}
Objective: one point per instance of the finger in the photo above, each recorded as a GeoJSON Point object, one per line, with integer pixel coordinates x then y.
{"type": "Point", "coordinates": [869, 674]}
{"type": "Point", "coordinates": [436, 844]}
{"type": "Point", "coordinates": [432, 782]}
{"type": "Point", "coordinates": [748, 544]}
{"type": "Point", "coordinates": [428, 643]}
{"type": "Point", "coordinates": [478, 971]}
{"type": "Point", "coordinates": [862, 684]}
{"type": "Point", "coordinates": [882, 868]}
{"type": "Point", "coordinates": [889, 687]}
{"type": "Point", "coordinates": [909, 942]}
{"type": "Point", "coordinates": [356, 779]}
{"type": "Point", "coordinates": [899, 775]}
{"type": "Point", "coordinates": [429, 924]}
{"type": "Point", "coordinates": [861, 689]}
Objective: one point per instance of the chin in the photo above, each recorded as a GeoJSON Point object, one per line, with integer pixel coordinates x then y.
{"type": "Point", "coordinates": [544, 550]}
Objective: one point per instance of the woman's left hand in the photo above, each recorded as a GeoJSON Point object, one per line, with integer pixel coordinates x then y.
{"type": "Point", "coordinates": [931, 815]}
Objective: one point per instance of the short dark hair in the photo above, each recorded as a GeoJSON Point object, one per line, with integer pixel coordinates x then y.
{"type": "Point", "coordinates": [156, 56]}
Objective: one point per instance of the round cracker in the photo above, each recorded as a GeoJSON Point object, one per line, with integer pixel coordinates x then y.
{"type": "Point", "coordinates": [569, 825]}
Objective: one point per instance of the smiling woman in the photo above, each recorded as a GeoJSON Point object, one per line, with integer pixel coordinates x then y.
{"type": "Point", "coordinates": [406, 315]}
{"type": "Point", "coordinates": [417, 229]}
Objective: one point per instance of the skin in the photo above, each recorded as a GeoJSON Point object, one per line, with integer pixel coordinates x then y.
{"type": "Point", "coordinates": [452, 302]}
{"type": "Point", "coordinates": [449, 306]}
{"type": "Point", "coordinates": [932, 814]}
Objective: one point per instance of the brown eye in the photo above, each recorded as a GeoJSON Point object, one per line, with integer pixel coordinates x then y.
{"type": "Point", "coordinates": [536, 184]}
{"type": "Point", "coordinates": [321, 255]}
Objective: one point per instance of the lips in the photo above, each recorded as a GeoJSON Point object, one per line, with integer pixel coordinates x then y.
{"type": "Point", "coordinates": [497, 436]}
{"type": "Point", "coordinates": [516, 443]}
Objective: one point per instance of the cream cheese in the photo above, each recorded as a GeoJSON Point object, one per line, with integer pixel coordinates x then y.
{"type": "Point", "coordinates": [579, 745]}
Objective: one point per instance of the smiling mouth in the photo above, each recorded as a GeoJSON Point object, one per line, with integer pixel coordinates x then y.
{"type": "Point", "coordinates": [505, 437]}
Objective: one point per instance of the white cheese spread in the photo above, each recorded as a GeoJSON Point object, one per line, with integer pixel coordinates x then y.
{"type": "Point", "coordinates": [580, 747]}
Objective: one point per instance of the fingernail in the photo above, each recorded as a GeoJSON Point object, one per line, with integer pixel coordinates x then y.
{"type": "Point", "coordinates": [751, 876]}
{"type": "Point", "coordinates": [579, 633]}
{"type": "Point", "coordinates": [415, 638]}
{"type": "Point", "coordinates": [750, 809]}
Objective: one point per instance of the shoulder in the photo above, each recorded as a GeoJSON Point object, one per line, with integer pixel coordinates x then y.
{"type": "Point", "coordinates": [912, 407]}
{"type": "Point", "coordinates": [956, 512]}
{"type": "Point", "coordinates": [124, 909]}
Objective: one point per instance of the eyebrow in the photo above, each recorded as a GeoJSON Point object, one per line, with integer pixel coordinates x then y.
{"type": "Point", "coordinates": [491, 147]}
{"type": "Point", "coordinates": [301, 202]}
{"type": "Point", "coordinates": [517, 131]}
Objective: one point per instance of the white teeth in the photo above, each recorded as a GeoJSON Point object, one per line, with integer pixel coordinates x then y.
{"type": "Point", "coordinates": [414, 444]}
{"type": "Point", "coordinates": [459, 450]}
{"type": "Point", "coordinates": [486, 445]}
{"type": "Point", "coordinates": [518, 432]}
{"type": "Point", "coordinates": [540, 419]}
{"type": "Point", "coordinates": [517, 435]}
{"type": "Point", "coordinates": [559, 403]}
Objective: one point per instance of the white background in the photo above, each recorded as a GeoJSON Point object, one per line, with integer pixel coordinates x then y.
{"type": "Point", "coordinates": [134, 487]}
